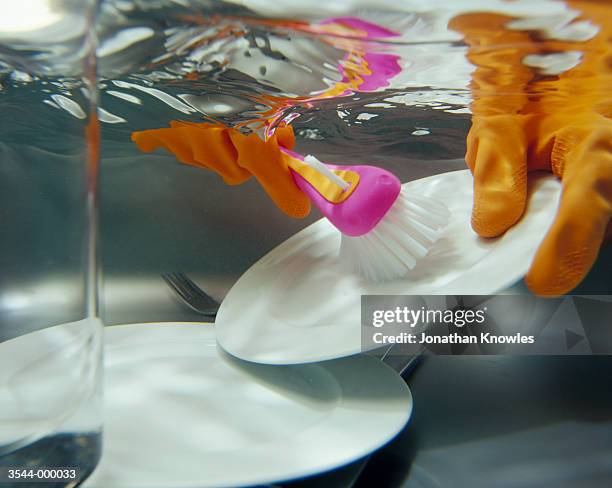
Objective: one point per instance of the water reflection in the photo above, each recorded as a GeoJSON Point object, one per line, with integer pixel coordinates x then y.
{"type": "Point", "coordinates": [366, 79]}
{"type": "Point", "coordinates": [242, 65]}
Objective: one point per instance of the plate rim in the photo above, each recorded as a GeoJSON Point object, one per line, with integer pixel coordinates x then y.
{"type": "Point", "coordinates": [271, 357]}
{"type": "Point", "coordinates": [402, 395]}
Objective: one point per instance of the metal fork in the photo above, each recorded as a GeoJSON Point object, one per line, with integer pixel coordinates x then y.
{"type": "Point", "coordinates": [191, 294]}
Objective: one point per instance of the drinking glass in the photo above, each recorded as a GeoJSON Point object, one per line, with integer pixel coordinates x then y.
{"type": "Point", "coordinates": [50, 331]}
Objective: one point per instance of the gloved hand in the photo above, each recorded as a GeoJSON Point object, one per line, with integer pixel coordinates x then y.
{"type": "Point", "coordinates": [237, 157]}
{"type": "Point", "coordinates": [524, 121]}
{"type": "Point", "coordinates": [578, 148]}
{"type": "Point", "coordinates": [234, 156]}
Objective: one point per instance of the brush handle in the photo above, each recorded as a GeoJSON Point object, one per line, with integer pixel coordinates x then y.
{"type": "Point", "coordinates": [370, 200]}
{"type": "Point", "coordinates": [323, 170]}
{"type": "Point", "coordinates": [335, 185]}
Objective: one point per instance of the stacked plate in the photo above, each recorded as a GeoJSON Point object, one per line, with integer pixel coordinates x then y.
{"type": "Point", "coordinates": [297, 304]}
{"type": "Point", "coordinates": [182, 413]}
{"type": "Point", "coordinates": [287, 393]}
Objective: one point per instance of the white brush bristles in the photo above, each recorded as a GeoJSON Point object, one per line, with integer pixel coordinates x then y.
{"type": "Point", "coordinates": [402, 237]}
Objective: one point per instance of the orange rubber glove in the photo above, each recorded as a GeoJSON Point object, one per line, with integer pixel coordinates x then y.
{"type": "Point", "coordinates": [234, 156]}
{"type": "Point", "coordinates": [523, 122]}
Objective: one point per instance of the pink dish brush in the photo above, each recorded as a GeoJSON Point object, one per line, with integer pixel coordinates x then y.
{"type": "Point", "coordinates": [385, 230]}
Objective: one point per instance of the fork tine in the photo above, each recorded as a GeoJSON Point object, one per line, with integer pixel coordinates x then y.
{"type": "Point", "coordinates": [196, 292]}
{"type": "Point", "coordinates": [191, 294]}
{"type": "Point", "coordinates": [176, 284]}
{"type": "Point", "coordinates": [170, 281]}
{"type": "Point", "coordinates": [179, 282]}
{"type": "Point", "coordinates": [189, 285]}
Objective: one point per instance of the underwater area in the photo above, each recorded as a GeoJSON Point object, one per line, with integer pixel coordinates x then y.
{"type": "Point", "coordinates": [395, 84]}
{"type": "Point", "coordinates": [386, 83]}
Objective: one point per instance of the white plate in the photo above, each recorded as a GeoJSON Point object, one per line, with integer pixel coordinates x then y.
{"type": "Point", "coordinates": [179, 412]}
{"type": "Point", "coordinates": [297, 304]}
